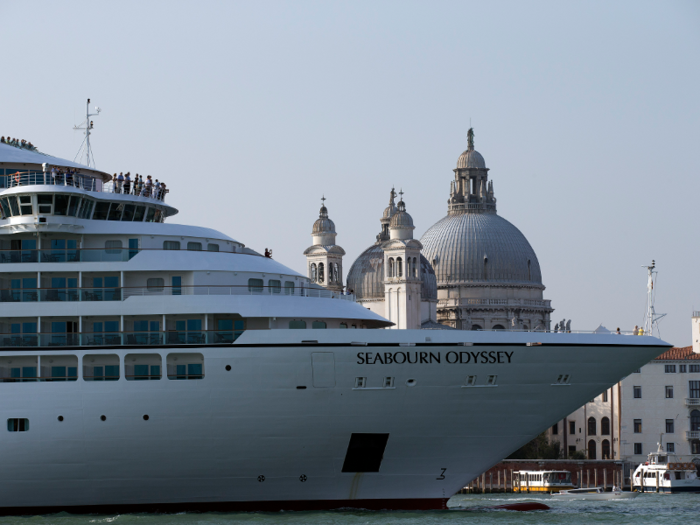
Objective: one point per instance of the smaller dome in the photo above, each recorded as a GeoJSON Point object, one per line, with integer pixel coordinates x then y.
{"type": "Point", "coordinates": [401, 218]}
{"type": "Point", "coordinates": [471, 159]}
{"type": "Point", "coordinates": [389, 212]}
{"type": "Point", "coordinates": [323, 224]}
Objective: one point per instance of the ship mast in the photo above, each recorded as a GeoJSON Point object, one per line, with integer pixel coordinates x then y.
{"type": "Point", "coordinates": [85, 150]}
{"type": "Point", "coordinates": [651, 318]}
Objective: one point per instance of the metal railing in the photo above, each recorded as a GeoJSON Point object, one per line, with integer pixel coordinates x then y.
{"type": "Point", "coordinates": [80, 181]}
{"type": "Point", "coordinates": [73, 294]}
{"type": "Point", "coordinates": [60, 255]}
{"type": "Point", "coordinates": [141, 339]}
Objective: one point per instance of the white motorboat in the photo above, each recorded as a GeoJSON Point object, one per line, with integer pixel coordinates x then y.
{"type": "Point", "coordinates": [667, 473]}
{"type": "Point", "coordinates": [593, 494]}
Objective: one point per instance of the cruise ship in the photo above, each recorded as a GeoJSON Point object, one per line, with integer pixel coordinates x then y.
{"type": "Point", "coordinates": [151, 366]}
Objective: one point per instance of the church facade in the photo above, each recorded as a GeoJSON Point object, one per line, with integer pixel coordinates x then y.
{"type": "Point", "coordinates": [472, 270]}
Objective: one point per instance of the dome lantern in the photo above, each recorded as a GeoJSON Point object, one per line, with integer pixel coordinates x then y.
{"type": "Point", "coordinates": [401, 224]}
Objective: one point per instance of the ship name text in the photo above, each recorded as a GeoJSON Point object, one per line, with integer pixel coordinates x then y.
{"type": "Point", "coordinates": [412, 358]}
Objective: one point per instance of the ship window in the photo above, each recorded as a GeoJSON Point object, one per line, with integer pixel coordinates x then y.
{"type": "Point", "coordinates": [139, 213]}
{"type": "Point", "coordinates": [17, 369]}
{"type": "Point", "coordinates": [212, 247]}
{"type": "Point", "coordinates": [6, 207]}
{"type": "Point", "coordinates": [318, 324]}
{"type": "Point", "coordinates": [637, 448]}
{"type": "Point", "coordinates": [73, 206]}
{"type": "Point", "coordinates": [296, 324]}
{"type": "Point", "coordinates": [155, 284]}
{"type": "Point", "coordinates": [101, 210]}
{"type": "Point", "coordinates": [151, 213]}
{"type": "Point", "coordinates": [86, 210]}
{"type": "Point", "coordinates": [59, 367]}
{"type": "Point", "coordinates": [194, 246]}
{"type": "Point", "coordinates": [140, 367]}
{"type": "Point", "coordinates": [669, 392]}
{"type": "Point", "coordinates": [115, 211]}
{"type": "Point", "coordinates": [471, 380]}
{"type": "Point", "coordinates": [45, 203]}
{"type": "Point", "coordinates": [669, 426]}
{"type": "Point", "coordinates": [637, 392]}
{"type": "Point", "coordinates": [171, 245]}
{"type": "Point", "coordinates": [113, 247]}
{"type": "Point", "coordinates": [25, 202]}
{"type": "Point", "coordinates": [176, 283]}
{"type": "Point", "coordinates": [491, 380]}
{"type": "Point", "coordinates": [274, 285]}
{"type": "Point", "coordinates": [101, 367]}
{"type": "Point", "coordinates": [61, 204]}
{"type": "Point", "coordinates": [185, 366]}
{"type": "Point", "coordinates": [128, 212]}
{"type": "Point", "coordinates": [288, 288]}
{"type": "Point", "coordinates": [255, 285]}
{"type": "Point", "coordinates": [16, 424]}
{"type": "Point", "coordinates": [343, 325]}
{"type": "Point", "coordinates": [605, 426]}
{"type": "Point", "coordinates": [360, 382]}
{"type": "Point", "coordinates": [158, 217]}
{"type": "Point", "coordinates": [637, 426]}
{"type": "Point", "coordinates": [388, 382]}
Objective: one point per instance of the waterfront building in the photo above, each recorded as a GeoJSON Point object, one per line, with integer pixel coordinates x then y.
{"type": "Point", "coordinates": [659, 402]}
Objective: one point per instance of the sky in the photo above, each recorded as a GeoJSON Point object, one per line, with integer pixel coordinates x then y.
{"type": "Point", "coordinates": [587, 114]}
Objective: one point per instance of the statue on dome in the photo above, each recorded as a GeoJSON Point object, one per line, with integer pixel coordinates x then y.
{"type": "Point", "coordinates": [470, 139]}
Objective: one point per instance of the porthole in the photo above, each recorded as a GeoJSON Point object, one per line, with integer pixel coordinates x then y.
{"type": "Point", "coordinates": [60, 418]}
{"type": "Point", "coordinates": [228, 368]}
{"type": "Point", "coordinates": [410, 382]}
{"type": "Point", "coordinates": [103, 418]}
{"type": "Point", "coordinates": [145, 417]}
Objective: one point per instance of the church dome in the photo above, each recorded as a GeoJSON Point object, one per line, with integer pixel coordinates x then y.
{"type": "Point", "coordinates": [323, 224]}
{"type": "Point", "coordinates": [470, 159]}
{"type": "Point", "coordinates": [480, 247]}
{"type": "Point", "coordinates": [366, 275]}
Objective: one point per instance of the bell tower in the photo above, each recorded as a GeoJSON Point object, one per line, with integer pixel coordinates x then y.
{"type": "Point", "coordinates": [324, 259]}
{"type": "Point", "coordinates": [402, 271]}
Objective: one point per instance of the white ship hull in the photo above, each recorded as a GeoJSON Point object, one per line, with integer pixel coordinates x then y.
{"type": "Point", "coordinates": [250, 439]}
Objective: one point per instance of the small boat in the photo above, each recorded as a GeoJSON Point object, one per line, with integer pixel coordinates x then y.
{"type": "Point", "coordinates": [593, 494]}
{"type": "Point", "coordinates": [666, 473]}
{"type": "Point", "coordinates": [542, 481]}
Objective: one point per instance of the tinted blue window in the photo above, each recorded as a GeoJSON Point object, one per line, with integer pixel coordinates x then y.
{"type": "Point", "coordinates": [98, 373]}
{"type": "Point", "coordinates": [177, 283]}
{"type": "Point", "coordinates": [58, 327]}
{"type": "Point", "coordinates": [194, 325]}
{"type": "Point", "coordinates": [194, 369]}
{"type": "Point", "coordinates": [112, 326]}
{"type": "Point", "coordinates": [155, 370]}
{"type": "Point", "coordinates": [225, 324]}
{"type": "Point", "coordinates": [58, 282]}
{"type": "Point", "coordinates": [155, 326]}
{"type": "Point", "coordinates": [97, 282]}
{"type": "Point", "coordinates": [140, 326]}
{"type": "Point", "coordinates": [111, 282]}
{"type": "Point", "coordinates": [112, 372]}
{"type": "Point", "coordinates": [28, 328]}
{"type": "Point", "coordinates": [180, 325]}
{"type": "Point", "coordinates": [96, 327]}
{"type": "Point", "coordinates": [140, 371]}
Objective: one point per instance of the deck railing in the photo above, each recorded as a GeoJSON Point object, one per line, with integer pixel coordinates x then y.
{"type": "Point", "coordinates": [75, 294]}
{"type": "Point", "coordinates": [77, 180]}
{"type": "Point", "coordinates": [169, 337]}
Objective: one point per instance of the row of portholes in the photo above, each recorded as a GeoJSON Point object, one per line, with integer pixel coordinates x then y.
{"type": "Point", "coordinates": [318, 273]}
{"type": "Point", "coordinates": [22, 424]}
{"type": "Point", "coordinates": [301, 325]}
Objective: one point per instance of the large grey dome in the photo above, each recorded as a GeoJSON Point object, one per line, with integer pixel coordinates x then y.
{"type": "Point", "coordinates": [470, 159]}
{"type": "Point", "coordinates": [481, 247]}
{"type": "Point", "coordinates": [366, 275]}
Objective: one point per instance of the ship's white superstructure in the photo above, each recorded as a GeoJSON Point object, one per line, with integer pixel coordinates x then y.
{"type": "Point", "coordinates": [147, 365]}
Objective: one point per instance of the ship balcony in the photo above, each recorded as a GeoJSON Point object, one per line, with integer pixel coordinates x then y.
{"type": "Point", "coordinates": [67, 255]}
{"type": "Point", "coordinates": [692, 401]}
{"type": "Point", "coordinates": [83, 182]}
{"type": "Point", "coordinates": [692, 434]}
{"type": "Point", "coordinates": [25, 292]}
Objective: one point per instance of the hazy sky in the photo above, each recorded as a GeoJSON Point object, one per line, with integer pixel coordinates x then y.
{"type": "Point", "coordinates": [587, 113]}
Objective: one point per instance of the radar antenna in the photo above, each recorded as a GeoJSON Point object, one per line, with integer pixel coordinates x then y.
{"type": "Point", "coordinates": [85, 151]}
{"type": "Point", "coordinates": [651, 318]}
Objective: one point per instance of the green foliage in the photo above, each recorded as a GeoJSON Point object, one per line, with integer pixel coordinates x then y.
{"type": "Point", "coordinates": [538, 448]}
{"type": "Point", "coordinates": [579, 454]}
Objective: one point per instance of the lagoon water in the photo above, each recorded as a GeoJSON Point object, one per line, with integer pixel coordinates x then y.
{"type": "Point", "coordinates": [673, 509]}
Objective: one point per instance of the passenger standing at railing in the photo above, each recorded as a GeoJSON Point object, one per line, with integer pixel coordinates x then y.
{"type": "Point", "coordinates": [54, 174]}
{"type": "Point", "coordinates": [138, 188]}
{"type": "Point", "coordinates": [162, 191]}
{"type": "Point", "coordinates": [156, 190]}
{"type": "Point", "coordinates": [69, 177]}
{"type": "Point", "coordinates": [127, 183]}
{"type": "Point", "coordinates": [120, 182]}
{"type": "Point", "coordinates": [149, 186]}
